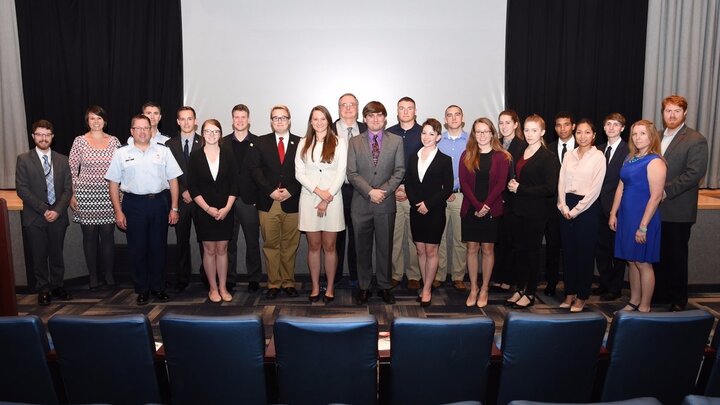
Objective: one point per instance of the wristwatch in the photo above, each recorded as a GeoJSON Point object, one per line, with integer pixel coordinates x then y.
{"type": "Point", "coordinates": [176, 209]}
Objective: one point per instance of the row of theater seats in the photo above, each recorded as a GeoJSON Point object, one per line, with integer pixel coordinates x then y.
{"type": "Point", "coordinates": [222, 360]}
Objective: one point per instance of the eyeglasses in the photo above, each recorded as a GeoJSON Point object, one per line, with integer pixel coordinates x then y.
{"type": "Point", "coordinates": [140, 128]}
{"type": "Point", "coordinates": [39, 134]}
{"type": "Point", "coordinates": [283, 118]}
{"type": "Point", "coordinates": [348, 105]}
{"type": "Point", "coordinates": [483, 132]}
{"type": "Point", "coordinates": [211, 132]}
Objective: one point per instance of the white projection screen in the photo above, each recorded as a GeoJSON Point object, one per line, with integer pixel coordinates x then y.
{"type": "Point", "coordinates": [305, 53]}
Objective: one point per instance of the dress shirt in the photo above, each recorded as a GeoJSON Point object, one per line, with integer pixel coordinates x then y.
{"type": "Point", "coordinates": [581, 176]}
{"type": "Point", "coordinates": [668, 136]}
{"type": "Point", "coordinates": [454, 148]}
{"type": "Point", "coordinates": [371, 139]}
{"type": "Point", "coordinates": [342, 129]}
{"type": "Point", "coordinates": [570, 146]}
{"type": "Point", "coordinates": [41, 154]}
{"type": "Point", "coordinates": [285, 137]}
{"type": "Point", "coordinates": [423, 165]}
{"type": "Point", "coordinates": [614, 147]}
{"type": "Point", "coordinates": [141, 172]}
{"type": "Point", "coordinates": [190, 141]}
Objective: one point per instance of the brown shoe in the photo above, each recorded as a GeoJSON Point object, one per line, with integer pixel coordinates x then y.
{"type": "Point", "coordinates": [394, 283]}
{"type": "Point", "coordinates": [437, 283]}
{"type": "Point", "coordinates": [459, 285]}
{"type": "Point", "coordinates": [413, 285]}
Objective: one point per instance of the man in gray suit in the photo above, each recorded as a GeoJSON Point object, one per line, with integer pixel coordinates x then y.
{"type": "Point", "coordinates": [375, 169]}
{"type": "Point", "coordinates": [44, 185]}
{"type": "Point", "coordinates": [686, 153]}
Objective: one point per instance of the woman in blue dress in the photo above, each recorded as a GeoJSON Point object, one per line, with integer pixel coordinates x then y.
{"type": "Point", "coordinates": [634, 215]}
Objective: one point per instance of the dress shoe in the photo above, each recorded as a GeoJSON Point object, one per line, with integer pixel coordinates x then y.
{"type": "Point", "coordinates": [394, 283]}
{"type": "Point", "coordinates": [290, 291]}
{"type": "Point", "coordinates": [328, 298]}
{"type": "Point", "coordinates": [513, 299]}
{"type": "Point", "coordinates": [677, 308]}
{"type": "Point", "coordinates": [388, 296]}
{"type": "Point", "coordinates": [611, 296]}
{"type": "Point", "coordinates": [519, 305]}
{"type": "Point", "coordinates": [271, 293]}
{"type": "Point", "coordinates": [180, 287]}
{"type": "Point", "coordinates": [575, 309]}
{"type": "Point", "coordinates": [459, 285]}
{"type": "Point", "coordinates": [549, 290]}
{"type": "Point", "coordinates": [437, 283]}
{"type": "Point", "coordinates": [253, 286]}
{"type": "Point", "coordinates": [142, 298]}
{"type": "Point", "coordinates": [483, 299]}
{"type": "Point", "coordinates": [427, 303]}
{"type": "Point", "coordinates": [226, 296]}
{"type": "Point", "coordinates": [61, 293]}
{"type": "Point", "coordinates": [361, 298]}
{"type": "Point", "coordinates": [160, 296]}
{"type": "Point", "coordinates": [314, 298]}
{"type": "Point", "coordinates": [413, 285]}
{"type": "Point", "coordinates": [472, 298]}
{"type": "Point", "coordinates": [214, 296]}
{"type": "Point", "coordinates": [599, 290]}
{"type": "Point", "coordinates": [44, 298]}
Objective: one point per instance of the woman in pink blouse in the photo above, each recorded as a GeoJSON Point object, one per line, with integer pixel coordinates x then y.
{"type": "Point", "coordinates": [581, 177]}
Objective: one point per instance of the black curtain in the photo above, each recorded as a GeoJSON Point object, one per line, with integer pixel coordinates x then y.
{"type": "Point", "coordinates": [586, 57]}
{"type": "Point", "coordinates": [113, 53]}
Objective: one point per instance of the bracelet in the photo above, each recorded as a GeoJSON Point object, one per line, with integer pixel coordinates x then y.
{"type": "Point", "coordinates": [642, 229]}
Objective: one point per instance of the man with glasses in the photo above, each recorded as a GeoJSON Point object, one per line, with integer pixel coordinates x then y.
{"type": "Point", "coordinates": [151, 110]}
{"type": "Point", "coordinates": [44, 184]}
{"type": "Point", "coordinates": [347, 126]}
{"type": "Point", "coordinates": [272, 165]}
{"type": "Point", "coordinates": [144, 172]}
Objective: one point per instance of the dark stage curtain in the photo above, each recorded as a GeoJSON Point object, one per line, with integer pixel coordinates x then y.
{"type": "Point", "coordinates": [586, 57]}
{"type": "Point", "coordinates": [113, 53]}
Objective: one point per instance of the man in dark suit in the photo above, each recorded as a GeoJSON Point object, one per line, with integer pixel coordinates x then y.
{"type": "Point", "coordinates": [44, 185]}
{"type": "Point", "coordinates": [272, 164]}
{"type": "Point", "coordinates": [347, 126]}
{"type": "Point", "coordinates": [181, 146]}
{"type": "Point", "coordinates": [612, 270]}
{"type": "Point", "coordinates": [564, 128]}
{"type": "Point", "coordinates": [241, 140]}
{"type": "Point", "coordinates": [375, 168]}
{"type": "Point", "coordinates": [686, 153]}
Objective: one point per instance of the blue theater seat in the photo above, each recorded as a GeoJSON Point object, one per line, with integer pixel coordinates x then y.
{"type": "Point", "coordinates": [106, 359]}
{"type": "Point", "coordinates": [633, 401]}
{"type": "Point", "coordinates": [713, 385]}
{"type": "Point", "coordinates": [215, 360]}
{"type": "Point", "coordinates": [24, 374]}
{"type": "Point", "coordinates": [700, 400]}
{"type": "Point", "coordinates": [655, 354]}
{"type": "Point", "coordinates": [550, 358]}
{"type": "Point", "coordinates": [328, 360]}
{"type": "Point", "coordinates": [437, 361]}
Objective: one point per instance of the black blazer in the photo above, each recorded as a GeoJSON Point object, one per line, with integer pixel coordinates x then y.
{"type": "Point", "coordinates": [537, 192]}
{"type": "Point", "coordinates": [268, 173]}
{"type": "Point", "coordinates": [436, 186]}
{"type": "Point", "coordinates": [176, 147]}
{"type": "Point", "coordinates": [248, 190]}
{"type": "Point", "coordinates": [200, 182]}
{"type": "Point", "coordinates": [612, 175]}
{"type": "Point", "coordinates": [553, 149]}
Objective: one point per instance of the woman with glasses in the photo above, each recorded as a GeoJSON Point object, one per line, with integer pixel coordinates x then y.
{"type": "Point", "coordinates": [213, 185]}
{"type": "Point", "coordinates": [89, 159]}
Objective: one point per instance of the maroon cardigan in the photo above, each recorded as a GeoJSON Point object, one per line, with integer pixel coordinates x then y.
{"type": "Point", "coordinates": [499, 169]}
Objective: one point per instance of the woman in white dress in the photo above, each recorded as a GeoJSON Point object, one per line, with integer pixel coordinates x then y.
{"type": "Point", "coordinates": [320, 168]}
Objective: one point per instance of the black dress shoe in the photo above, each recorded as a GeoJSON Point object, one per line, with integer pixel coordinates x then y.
{"type": "Point", "coordinates": [388, 296]}
{"type": "Point", "coordinates": [253, 286]}
{"type": "Point", "coordinates": [290, 291]}
{"type": "Point", "coordinates": [160, 295]}
{"type": "Point", "coordinates": [314, 298]}
{"type": "Point", "coordinates": [180, 287]}
{"type": "Point", "coordinates": [271, 293]}
{"type": "Point", "coordinates": [142, 298]}
{"type": "Point", "coordinates": [61, 293]}
{"type": "Point", "coordinates": [529, 304]}
{"type": "Point", "coordinates": [361, 298]}
{"type": "Point", "coordinates": [677, 308]}
{"type": "Point", "coordinates": [44, 298]}
{"type": "Point", "coordinates": [549, 290]}
{"type": "Point", "coordinates": [328, 299]}
{"type": "Point", "coordinates": [599, 291]}
{"type": "Point", "coordinates": [611, 296]}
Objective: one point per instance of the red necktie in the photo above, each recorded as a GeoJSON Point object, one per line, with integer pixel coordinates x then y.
{"type": "Point", "coordinates": [281, 150]}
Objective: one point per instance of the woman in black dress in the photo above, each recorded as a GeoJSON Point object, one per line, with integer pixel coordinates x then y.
{"type": "Point", "coordinates": [428, 184]}
{"type": "Point", "coordinates": [483, 171]}
{"type": "Point", "coordinates": [213, 185]}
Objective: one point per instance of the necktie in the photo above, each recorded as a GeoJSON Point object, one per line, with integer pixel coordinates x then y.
{"type": "Point", "coordinates": [350, 133]}
{"type": "Point", "coordinates": [562, 154]}
{"type": "Point", "coordinates": [49, 181]}
{"type": "Point", "coordinates": [375, 150]}
{"type": "Point", "coordinates": [608, 151]}
{"type": "Point", "coordinates": [186, 149]}
{"type": "Point", "coordinates": [281, 150]}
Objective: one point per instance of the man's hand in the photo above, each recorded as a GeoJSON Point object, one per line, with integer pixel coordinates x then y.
{"type": "Point", "coordinates": [377, 196]}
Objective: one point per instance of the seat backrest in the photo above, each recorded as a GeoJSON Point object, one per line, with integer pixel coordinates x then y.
{"type": "Point", "coordinates": [633, 401]}
{"type": "Point", "coordinates": [106, 359]}
{"type": "Point", "coordinates": [24, 374]}
{"type": "Point", "coordinates": [428, 354]}
{"type": "Point", "coordinates": [215, 360]}
{"type": "Point", "coordinates": [559, 351]}
{"type": "Point", "coordinates": [321, 361]}
{"type": "Point", "coordinates": [712, 388]}
{"type": "Point", "coordinates": [655, 354]}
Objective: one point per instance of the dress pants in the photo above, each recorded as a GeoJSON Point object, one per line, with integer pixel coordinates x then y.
{"type": "Point", "coordinates": [528, 235]}
{"type": "Point", "coordinates": [503, 270]}
{"type": "Point", "coordinates": [553, 245]}
{"type": "Point", "coordinates": [402, 237]}
{"type": "Point", "coordinates": [246, 216]}
{"type": "Point", "coordinates": [459, 249]}
{"type": "Point", "coordinates": [281, 236]}
{"type": "Point", "coordinates": [182, 234]}
{"type": "Point", "coordinates": [672, 274]}
{"type": "Point", "coordinates": [349, 235]}
{"type": "Point", "coordinates": [611, 270]}
{"type": "Point", "coordinates": [369, 226]}
{"type": "Point", "coordinates": [46, 244]}
{"type": "Point", "coordinates": [147, 228]}
{"type": "Point", "coordinates": [578, 237]}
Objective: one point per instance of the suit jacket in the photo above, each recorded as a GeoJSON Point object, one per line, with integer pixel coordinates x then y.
{"type": "Point", "coordinates": [247, 191]}
{"type": "Point", "coordinates": [553, 148]}
{"type": "Point", "coordinates": [32, 189]}
{"type": "Point", "coordinates": [499, 169]}
{"type": "Point", "coordinates": [364, 176]}
{"type": "Point", "coordinates": [268, 173]}
{"type": "Point", "coordinates": [537, 192]}
{"type": "Point", "coordinates": [176, 147]}
{"type": "Point", "coordinates": [436, 186]}
{"type": "Point", "coordinates": [687, 158]}
{"type": "Point", "coordinates": [201, 183]}
{"type": "Point", "coordinates": [612, 175]}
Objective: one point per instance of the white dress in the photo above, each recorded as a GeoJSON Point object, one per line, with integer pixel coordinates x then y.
{"type": "Point", "coordinates": [312, 173]}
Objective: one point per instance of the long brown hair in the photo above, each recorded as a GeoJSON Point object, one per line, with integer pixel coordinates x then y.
{"type": "Point", "coordinates": [331, 139]}
{"type": "Point", "coordinates": [514, 117]}
{"type": "Point", "coordinates": [472, 150]}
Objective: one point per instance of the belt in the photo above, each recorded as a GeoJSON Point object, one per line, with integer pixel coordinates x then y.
{"type": "Point", "coordinates": [456, 190]}
{"type": "Point", "coordinates": [147, 196]}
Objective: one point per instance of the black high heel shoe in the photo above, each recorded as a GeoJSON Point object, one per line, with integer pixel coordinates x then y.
{"type": "Point", "coordinates": [328, 299]}
{"type": "Point", "coordinates": [529, 304]}
{"type": "Point", "coordinates": [314, 298]}
{"type": "Point", "coordinates": [509, 302]}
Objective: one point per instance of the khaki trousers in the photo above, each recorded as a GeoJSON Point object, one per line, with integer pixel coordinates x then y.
{"type": "Point", "coordinates": [458, 249]}
{"type": "Point", "coordinates": [282, 237]}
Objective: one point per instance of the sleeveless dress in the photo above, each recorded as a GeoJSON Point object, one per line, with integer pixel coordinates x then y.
{"type": "Point", "coordinates": [88, 167]}
{"type": "Point", "coordinates": [636, 193]}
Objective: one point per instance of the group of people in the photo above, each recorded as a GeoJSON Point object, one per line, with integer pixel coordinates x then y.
{"type": "Point", "coordinates": [492, 195]}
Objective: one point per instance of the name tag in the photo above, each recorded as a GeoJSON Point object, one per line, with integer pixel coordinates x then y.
{"type": "Point", "coordinates": [130, 162]}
